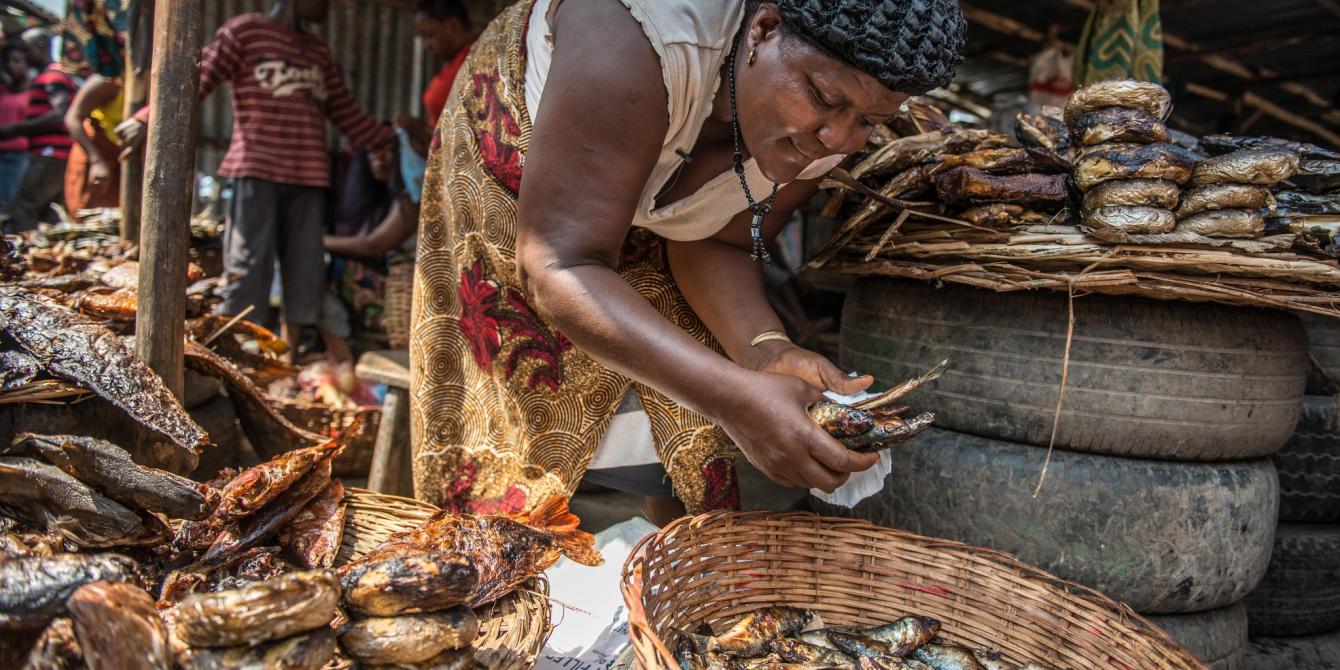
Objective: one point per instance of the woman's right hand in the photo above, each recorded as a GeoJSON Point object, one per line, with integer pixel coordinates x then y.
{"type": "Point", "coordinates": [769, 422]}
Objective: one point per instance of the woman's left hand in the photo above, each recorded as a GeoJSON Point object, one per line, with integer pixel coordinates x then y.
{"type": "Point", "coordinates": [788, 359]}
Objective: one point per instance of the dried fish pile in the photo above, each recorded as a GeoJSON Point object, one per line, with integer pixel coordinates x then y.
{"type": "Point", "coordinates": [873, 424]}
{"type": "Point", "coordinates": [778, 638]}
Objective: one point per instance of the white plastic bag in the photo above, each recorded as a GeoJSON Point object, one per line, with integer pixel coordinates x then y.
{"type": "Point", "coordinates": [860, 485]}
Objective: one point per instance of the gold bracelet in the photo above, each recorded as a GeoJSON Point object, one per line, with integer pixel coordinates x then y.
{"type": "Point", "coordinates": [769, 335]}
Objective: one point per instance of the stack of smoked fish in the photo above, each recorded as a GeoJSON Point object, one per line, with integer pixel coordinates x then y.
{"type": "Point", "coordinates": [1308, 203]}
{"type": "Point", "coordinates": [1130, 174]}
{"type": "Point", "coordinates": [1229, 194]}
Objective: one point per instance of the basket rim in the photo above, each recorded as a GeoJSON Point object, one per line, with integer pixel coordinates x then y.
{"type": "Point", "coordinates": [639, 623]}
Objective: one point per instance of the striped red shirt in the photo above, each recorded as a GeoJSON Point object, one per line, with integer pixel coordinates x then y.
{"type": "Point", "coordinates": [52, 82]}
{"type": "Point", "coordinates": [285, 86]}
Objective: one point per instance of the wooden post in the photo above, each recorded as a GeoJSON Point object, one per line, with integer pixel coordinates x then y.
{"type": "Point", "coordinates": [139, 36]}
{"type": "Point", "coordinates": [169, 170]}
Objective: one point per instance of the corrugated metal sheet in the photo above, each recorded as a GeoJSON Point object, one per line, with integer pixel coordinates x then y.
{"type": "Point", "coordinates": [373, 42]}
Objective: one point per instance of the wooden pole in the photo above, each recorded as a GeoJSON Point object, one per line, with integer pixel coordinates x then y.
{"type": "Point", "coordinates": [139, 36]}
{"type": "Point", "coordinates": [169, 168]}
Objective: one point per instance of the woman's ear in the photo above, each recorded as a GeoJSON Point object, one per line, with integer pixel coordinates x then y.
{"type": "Point", "coordinates": [766, 24]}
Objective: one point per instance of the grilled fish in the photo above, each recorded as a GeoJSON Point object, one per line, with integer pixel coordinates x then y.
{"type": "Point", "coordinates": [905, 634]}
{"type": "Point", "coordinates": [451, 659]}
{"type": "Point", "coordinates": [890, 430]}
{"type": "Point", "coordinates": [794, 651]}
{"type": "Point", "coordinates": [1299, 202]}
{"type": "Point", "coordinates": [752, 633]}
{"type": "Point", "coordinates": [1245, 223]}
{"type": "Point", "coordinates": [918, 117]}
{"type": "Point", "coordinates": [1116, 222]}
{"type": "Point", "coordinates": [906, 152]}
{"type": "Point", "coordinates": [1222, 196]}
{"type": "Point", "coordinates": [1262, 167]}
{"type": "Point", "coordinates": [78, 350]}
{"type": "Point", "coordinates": [946, 657]}
{"type": "Point", "coordinates": [117, 305]}
{"type": "Point", "coordinates": [1118, 124]}
{"type": "Point", "coordinates": [1004, 215]}
{"type": "Point", "coordinates": [1008, 160]}
{"type": "Point", "coordinates": [33, 589]}
{"type": "Point", "coordinates": [254, 565]}
{"type": "Point", "coordinates": [1318, 176]}
{"type": "Point", "coordinates": [405, 584]}
{"type": "Point", "coordinates": [1149, 98]}
{"type": "Point", "coordinates": [1224, 144]}
{"type": "Point", "coordinates": [269, 610]}
{"type": "Point", "coordinates": [49, 498]}
{"type": "Point", "coordinates": [110, 469]}
{"type": "Point", "coordinates": [505, 550]}
{"type": "Point", "coordinates": [17, 369]}
{"type": "Point", "coordinates": [313, 536]}
{"type": "Point", "coordinates": [250, 531]}
{"type": "Point", "coordinates": [306, 651]}
{"type": "Point", "coordinates": [965, 183]}
{"type": "Point", "coordinates": [119, 627]}
{"type": "Point", "coordinates": [1133, 193]}
{"type": "Point", "coordinates": [1044, 132]}
{"type": "Point", "coordinates": [56, 649]}
{"type": "Point", "coordinates": [411, 638]}
{"type": "Point", "coordinates": [1112, 162]}
{"type": "Point", "coordinates": [818, 638]}
{"type": "Point", "coordinates": [841, 420]}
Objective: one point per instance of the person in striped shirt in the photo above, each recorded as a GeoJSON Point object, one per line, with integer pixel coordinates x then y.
{"type": "Point", "coordinates": [49, 143]}
{"type": "Point", "coordinates": [285, 87]}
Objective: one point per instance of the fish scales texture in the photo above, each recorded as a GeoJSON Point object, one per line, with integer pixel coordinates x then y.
{"type": "Point", "coordinates": [505, 551]}
{"type": "Point", "coordinates": [33, 589]}
{"type": "Point", "coordinates": [63, 504]}
{"type": "Point", "coordinates": [1133, 193]}
{"type": "Point", "coordinates": [16, 369]}
{"type": "Point", "coordinates": [250, 531]}
{"type": "Point", "coordinates": [305, 651]}
{"type": "Point", "coordinates": [405, 584]}
{"type": "Point", "coordinates": [313, 536]}
{"type": "Point", "coordinates": [1222, 196]}
{"type": "Point", "coordinates": [274, 609]}
{"type": "Point", "coordinates": [79, 350]}
{"type": "Point", "coordinates": [889, 431]}
{"type": "Point", "coordinates": [1119, 124]}
{"type": "Point", "coordinates": [946, 657]}
{"type": "Point", "coordinates": [841, 420]}
{"type": "Point", "coordinates": [56, 649]}
{"type": "Point", "coordinates": [118, 627]}
{"type": "Point", "coordinates": [1144, 96]}
{"type": "Point", "coordinates": [966, 183]}
{"type": "Point", "coordinates": [110, 469]}
{"type": "Point", "coordinates": [1120, 221]}
{"type": "Point", "coordinates": [1241, 223]}
{"type": "Point", "coordinates": [412, 638]}
{"type": "Point", "coordinates": [1120, 161]}
{"type": "Point", "coordinates": [1261, 167]}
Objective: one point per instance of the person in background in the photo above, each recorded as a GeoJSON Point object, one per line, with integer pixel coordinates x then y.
{"type": "Point", "coordinates": [447, 34]}
{"type": "Point", "coordinates": [13, 110]}
{"type": "Point", "coordinates": [285, 87]}
{"type": "Point", "coordinates": [43, 181]}
{"type": "Point", "coordinates": [91, 177]}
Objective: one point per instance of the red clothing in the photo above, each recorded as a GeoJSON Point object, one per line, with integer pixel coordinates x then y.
{"type": "Point", "coordinates": [13, 109]}
{"type": "Point", "coordinates": [53, 81]}
{"type": "Point", "coordinates": [285, 86]}
{"type": "Point", "coordinates": [439, 88]}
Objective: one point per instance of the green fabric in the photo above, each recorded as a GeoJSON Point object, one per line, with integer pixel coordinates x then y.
{"type": "Point", "coordinates": [1122, 39]}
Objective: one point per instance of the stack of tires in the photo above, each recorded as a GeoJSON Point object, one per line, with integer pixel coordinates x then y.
{"type": "Point", "coordinates": [1160, 491]}
{"type": "Point", "coordinates": [1294, 614]}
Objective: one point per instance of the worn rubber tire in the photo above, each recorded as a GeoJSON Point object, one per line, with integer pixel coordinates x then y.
{"type": "Point", "coordinates": [1218, 637]}
{"type": "Point", "coordinates": [1300, 593]}
{"type": "Point", "coordinates": [1317, 652]}
{"type": "Point", "coordinates": [1309, 465]}
{"type": "Point", "coordinates": [1147, 378]}
{"type": "Point", "coordinates": [1164, 537]}
{"type": "Point", "coordinates": [1323, 341]}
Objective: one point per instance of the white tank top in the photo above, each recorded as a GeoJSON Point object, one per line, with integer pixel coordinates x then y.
{"type": "Point", "coordinates": [692, 38]}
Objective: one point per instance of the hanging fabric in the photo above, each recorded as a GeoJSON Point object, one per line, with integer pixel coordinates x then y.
{"type": "Point", "coordinates": [1121, 39]}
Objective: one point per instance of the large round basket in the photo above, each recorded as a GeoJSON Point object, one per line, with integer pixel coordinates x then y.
{"type": "Point", "coordinates": [715, 567]}
{"type": "Point", "coordinates": [328, 421]}
{"type": "Point", "coordinates": [512, 630]}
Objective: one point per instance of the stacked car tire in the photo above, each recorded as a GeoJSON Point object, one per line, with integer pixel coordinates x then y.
{"type": "Point", "coordinates": [1160, 490]}
{"type": "Point", "coordinates": [1294, 614]}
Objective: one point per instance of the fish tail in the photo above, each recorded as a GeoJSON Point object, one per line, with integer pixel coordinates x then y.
{"type": "Point", "coordinates": [552, 516]}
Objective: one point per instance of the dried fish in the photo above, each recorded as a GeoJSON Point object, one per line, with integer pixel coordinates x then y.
{"type": "Point", "coordinates": [1112, 162]}
{"type": "Point", "coordinates": [254, 565]}
{"type": "Point", "coordinates": [119, 627]}
{"type": "Point", "coordinates": [417, 582]}
{"type": "Point", "coordinates": [918, 117]}
{"type": "Point", "coordinates": [17, 369]}
{"type": "Point", "coordinates": [313, 536]}
{"type": "Point", "coordinates": [890, 431]}
{"type": "Point", "coordinates": [110, 469]}
{"type": "Point", "coordinates": [1133, 193]}
{"type": "Point", "coordinates": [1004, 215]}
{"type": "Point", "coordinates": [1116, 222]}
{"type": "Point", "coordinates": [411, 638]}
{"type": "Point", "coordinates": [906, 152]}
{"type": "Point", "coordinates": [1262, 167]}
{"type": "Point", "coordinates": [995, 161]}
{"type": "Point", "coordinates": [270, 610]}
{"type": "Point", "coordinates": [905, 634]}
{"type": "Point", "coordinates": [119, 305]}
{"type": "Point", "coordinates": [817, 637]}
{"type": "Point", "coordinates": [250, 531]}
{"type": "Point", "coordinates": [965, 183]}
{"type": "Point", "coordinates": [1299, 202]}
{"type": "Point", "coordinates": [840, 420]}
{"type": "Point", "coordinates": [56, 649]}
{"type": "Point", "coordinates": [50, 499]}
{"type": "Point", "coordinates": [1149, 98]}
{"type": "Point", "coordinates": [1222, 196]}
{"type": "Point", "coordinates": [75, 349]}
{"type": "Point", "coordinates": [1244, 223]}
{"type": "Point", "coordinates": [1224, 144]}
{"type": "Point", "coordinates": [946, 657]}
{"type": "Point", "coordinates": [451, 659]}
{"type": "Point", "coordinates": [307, 651]}
{"type": "Point", "coordinates": [856, 645]}
{"type": "Point", "coordinates": [505, 550]}
{"type": "Point", "coordinates": [1118, 124]}
{"type": "Point", "coordinates": [752, 633]}
{"type": "Point", "coordinates": [1045, 132]}
{"type": "Point", "coordinates": [796, 651]}
{"type": "Point", "coordinates": [33, 589]}
{"type": "Point", "coordinates": [992, 660]}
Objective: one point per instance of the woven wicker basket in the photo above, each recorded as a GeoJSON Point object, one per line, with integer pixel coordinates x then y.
{"type": "Point", "coordinates": [396, 304]}
{"type": "Point", "coordinates": [717, 566]}
{"type": "Point", "coordinates": [512, 631]}
{"type": "Point", "coordinates": [356, 459]}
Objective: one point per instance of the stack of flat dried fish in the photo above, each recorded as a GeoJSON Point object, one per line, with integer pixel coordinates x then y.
{"type": "Point", "coordinates": [786, 638]}
{"type": "Point", "coordinates": [1229, 194]}
{"type": "Point", "coordinates": [1130, 174]}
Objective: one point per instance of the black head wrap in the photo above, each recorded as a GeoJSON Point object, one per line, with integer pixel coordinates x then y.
{"type": "Point", "coordinates": [910, 46]}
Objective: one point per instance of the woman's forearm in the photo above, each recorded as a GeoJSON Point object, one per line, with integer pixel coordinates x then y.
{"type": "Point", "coordinates": [724, 286]}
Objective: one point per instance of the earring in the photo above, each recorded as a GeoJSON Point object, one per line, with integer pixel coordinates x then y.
{"type": "Point", "coordinates": [753, 51]}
